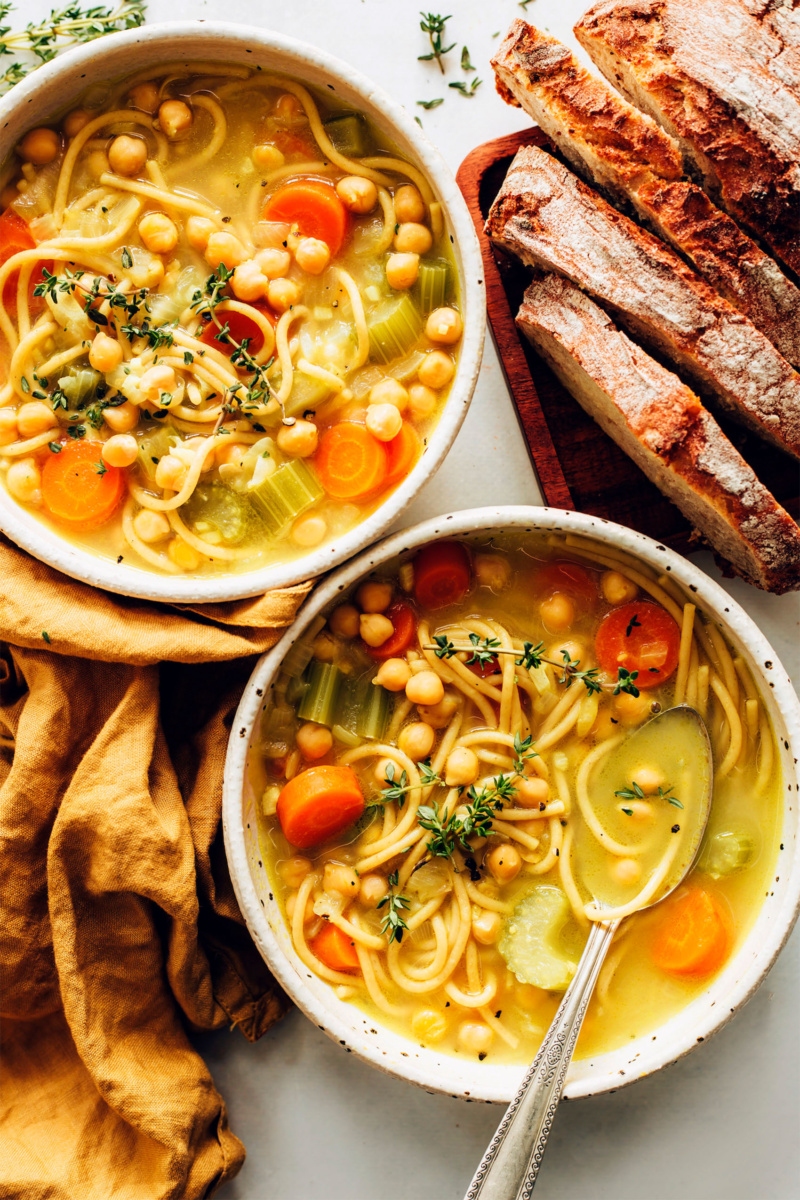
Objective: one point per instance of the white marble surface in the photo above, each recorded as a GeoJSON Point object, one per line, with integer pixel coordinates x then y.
{"type": "Point", "coordinates": [721, 1125]}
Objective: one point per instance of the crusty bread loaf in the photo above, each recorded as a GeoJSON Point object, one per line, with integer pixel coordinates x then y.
{"type": "Point", "coordinates": [551, 220]}
{"type": "Point", "coordinates": [684, 63]}
{"type": "Point", "coordinates": [633, 159]}
{"type": "Point", "coordinates": [664, 428]}
{"type": "Point", "coordinates": [780, 42]}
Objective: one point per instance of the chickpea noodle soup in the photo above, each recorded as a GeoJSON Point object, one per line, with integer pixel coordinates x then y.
{"type": "Point", "coordinates": [457, 776]}
{"type": "Point", "coordinates": [230, 318]}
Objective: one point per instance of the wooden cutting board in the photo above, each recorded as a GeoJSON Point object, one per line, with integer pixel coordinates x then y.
{"type": "Point", "coordinates": [578, 465]}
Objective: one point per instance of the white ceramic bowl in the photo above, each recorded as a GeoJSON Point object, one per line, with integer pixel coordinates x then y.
{"type": "Point", "coordinates": [53, 87]}
{"type": "Point", "coordinates": [440, 1072]}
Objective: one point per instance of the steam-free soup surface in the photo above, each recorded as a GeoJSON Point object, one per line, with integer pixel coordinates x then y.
{"type": "Point", "coordinates": [456, 764]}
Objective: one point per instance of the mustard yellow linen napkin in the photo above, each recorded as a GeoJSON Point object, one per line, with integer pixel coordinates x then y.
{"type": "Point", "coordinates": [119, 929]}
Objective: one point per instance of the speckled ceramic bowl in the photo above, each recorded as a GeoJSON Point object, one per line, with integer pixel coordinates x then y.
{"type": "Point", "coordinates": [52, 88]}
{"type": "Point", "coordinates": [441, 1072]}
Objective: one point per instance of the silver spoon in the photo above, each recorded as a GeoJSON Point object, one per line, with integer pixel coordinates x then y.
{"type": "Point", "coordinates": [510, 1166]}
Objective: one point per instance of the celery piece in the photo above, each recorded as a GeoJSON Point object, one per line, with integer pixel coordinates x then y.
{"type": "Point", "coordinates": [307, 392]}
{"type": "Point", "coordinates": [277, 730]}
{"type": "Point", "coordinates": [349, 134]}
{"type": "Point", "coordinates": [299, 655]}
{"type": "Point", "coordinates": [214, 504]}
{"type": "Point", "coordinates": [433, 284]}
{"type": "Point", "coordinates": [352, 699]}
{"type": "Point", "coordinates": [296, 688]}
{"type": "Point", "coordinates": [344, 736]}
{"type": "Point", "coordinates": [286, 494]}
{"type": "Point", "coordinates": [394, 327]}
{"type": "Point", "coordinates": [319, 702]}
{"type": "Point", "coordinates": [373, 718]}
{"type": "Point", "coordinates": [532, 940]}
{"type": "Point", "coordinates": [79, 386]}
{"type": "Point", "coordinates": [153, 445]}
{"type": "Point", "coordinates": [725, 853]}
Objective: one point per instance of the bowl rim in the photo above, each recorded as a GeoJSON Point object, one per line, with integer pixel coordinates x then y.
{"type": "Point", "coordinates": [170, 40]}
{"type": "Point", "coordinates": [695, 1023]}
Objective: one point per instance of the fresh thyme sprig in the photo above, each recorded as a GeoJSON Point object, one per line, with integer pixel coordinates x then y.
{"type": "Point", "coordinates": [393, 922]}
{"type": "Point", "coordinates": [466, 89]}
{"type": "Point", "coordinates": [451, 832]}
{"type": "Point", "coordinates": [523, 748]}
{"type": "Point", "coordinates": [429, 104]}
{"type": "Point", "coordinates": [635, 792]}
{"type": "Point", "coordinates": [434, 25]}
{"type": "Point", "coordinates": [63, 27]}
{"type": "Point", "coordinates": [399, 786]}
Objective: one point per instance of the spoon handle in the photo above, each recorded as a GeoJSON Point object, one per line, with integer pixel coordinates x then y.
{"type": "Point", "coordinates": [511, 1164]}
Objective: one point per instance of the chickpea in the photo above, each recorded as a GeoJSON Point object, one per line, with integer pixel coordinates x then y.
{"type": "Point", "coordinates": [408, 204]}
{"type": "Point", "coordinates": [288, 107]}
{"type": "Point", "coordinates": [313, 741]}
{"type": "Point", "coordinates": [35, 417]}
{"type": "Point", "coordinates": [492, 571]}
{"type": "Point", "coordinates": [312, 255]}
{"type": "Point", "coordinates": [503, 862]}
{"type": "Point", "coordinates": [198, 231]}
{"type": "Point", "coordinates": [24, 481]}
{"type": "Point", "coordinates": [298, 440]}
{"type": "Point", "coordinates": [393, 674]}
{"type": "Point", "coordinates": [40, 146]}
{"type": "Point", "coordinates": [294, 870]}
{"type": "Point", "coordinates": [357, 194]}
{"type": "Point", "coordinates": [121, 450]}
{"type": "Point", "coordinates": [249, 281]}
{"type": "Point", "coordinates": [343, 621]}
{"type": "Point", "coordinates": [650, 779]}
{"type": "Point", "coordinates": [438, 715]}
{"type": "Point", "coordinates": [325, 648]}
{"type": "Point", "coordinates": [640, 810]}
{"type": "Point", "coordinates": [427, 1025]}
{"type": "Point", "coordinates": [474, 1037]}
{"type": "Point", "coordinates": [8, 426]}
{"type": "Point", "coordinates": [183, 555]}
{"type": "Point", "coordinates": [384, 767]}
{"type": "Point", "coordinates": [339, 878]}
{"type": "Point", "coordinates": [389, 391]}
{"type": "Point", "coordinates": [486, 926]}
{"type": "Point", "coordinates": [267, 157]}
{"type": "Point", "coordinates": [273, 262]}
{"type": "Point", "coordinates": [402, 271]}
{"type": "Point", "coordinates": [283, 294]}
{"type": "Point", "coordinates": [436, 370]}
{"type": "Point", "coordinates": [383, 421]}
{"type": "Point", "coordinates": [557, 612]}
{"type": "Point", "coordinates": [156, 380]}
{"type": "Point", "coordinates": [425, 688]}
{"type": "Point", "coordinates": [231, 455]}
{"type": "Point", "coordinates": [105, 353]}
{"type": "Point", "coordinates": [461, 768]}
{"type": "Point", "coordinates": [170, 473]}
{"type": "Point", "coordinates": [617, 589]}
{"type": "Point", "coordinates": [422, 401]}
{"type": "Point", "coordinates": [631, 710]}
{"type": "Point", "coordinates": [151, 526]}
{"type": "Point", "coordinates": [373, 889]}
{"type": "Point", "coordinates": [144, 96]}
{"type": "Point", "coordinates": [175, 118]}
{"type": "Point", "coordinates": [375, 628]}
{"type": "Point", "coordinates": [159, 233]}
{"type": "Point", "coordinates": [626, 871]}
{"type": "Point", "coordinates": [127, 154]}
{"type": "Point", "coordinates": [224, 248]}
{"type": "Point", "coordinates": [532, 791]}
{"type": "Point", "coordinates": [374, 596]}
{"type": "Point", "coordinates": [309, 530]}
{"type": "Point", "coordinates": [74, 122]}
{"type": "Point", "coordinates": [291, 904]}
{"type": "Point", "coordinates": [444, 325]}
{"type": "Point", "coordinates": [97, 163]}
{"type": "Point", "coordinates": [150, 275]}
{"type": "Point", "coordinates": [416, 740]}
{"type": "Point", "coordinates": [413, 238]}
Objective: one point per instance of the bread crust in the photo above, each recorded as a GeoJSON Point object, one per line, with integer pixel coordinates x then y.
{"type": "Point", "coordinates": [661, 424]}
{"type": "Point", "coordinates": [551, 220]}
{"type": "Point", "coordinates": [635, 161]}
{"type": "Point", "coordinates": [689, 66]}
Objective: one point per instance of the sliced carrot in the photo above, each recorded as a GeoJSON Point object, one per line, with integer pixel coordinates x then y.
{"type": "Point", "coordinates": [313, 206]}
{"type": "Point", "coordinates": [442, 574]}
{"type": "Point", "coordinates": [694, 936]}
{"type": "Point", "coordinates": [402, 452]}
{"type": "Point", "coordinates": [351, 463]}
{"type": "Point", "coordinates": [335, 949]}
{"type": "Point", "coordinates": [78, 489]}
{"type": "Point", "coordinates": [561, 575]}
{"type": "Point", "coordinates": [640, 636]}
{"type": "Point", "coordinates": [15, 236]}
{"type": "Point", "coordinates": [240, 327]}
{"type": "Point", "coordinates": [405, 629]}
{"type": "Point", "coordinates": [319, 803]}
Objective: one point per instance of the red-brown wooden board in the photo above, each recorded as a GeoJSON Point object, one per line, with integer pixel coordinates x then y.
{"type": "Point", "coordinates": [578, 465]}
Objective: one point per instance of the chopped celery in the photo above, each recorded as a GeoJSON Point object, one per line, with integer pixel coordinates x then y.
{"type": "Point", "coordinates": [319, 702]}
{"type": "Point", "coordinates": [79, 386]}
{"type": "Point", "coordinates": [349, 134]}
{"type": "Point", "coordinates": [277, 730]}
{"type": "Point", "coordinates": [345, 736]}
{"type": "Point", "coordinates": [296, 688]}
{"type": "Point", "coordinates": [352, 699]}
{"type": "Point", "coordinates": [531, 943]}
{"type": "Point", "coordinates": [153, 445]}
{"type": "Point", "coordinates": [374, 716]}
{"type": "Point", "coordinates": [286, 494]}
{"type": "Point", "coordinates": [299, 656]}
{"type": "Point", "coordinates": [214, 504]}
{"type": "Point", "coordinates": [307, 392]}
{"type": "Point", "coordinates": [394, 327]}
{"type": "Point", "coordinates": [433, 284]}
{"type": "Point", "coordinates": [725, 853]}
